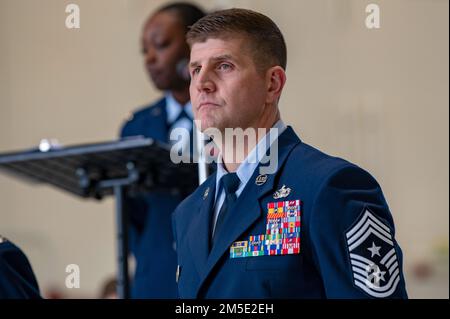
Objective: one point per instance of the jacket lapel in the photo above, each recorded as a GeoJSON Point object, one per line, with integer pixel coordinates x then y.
{"type": "Point", "coordinates": [156, 122]}
{"type": "Point", "coordinates": [199, 229]}
{"type": "Point", "coordinates": [247, 205]}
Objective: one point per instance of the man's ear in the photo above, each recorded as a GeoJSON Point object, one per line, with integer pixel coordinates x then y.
{"type": "Point", "coordinates": [275, 79]}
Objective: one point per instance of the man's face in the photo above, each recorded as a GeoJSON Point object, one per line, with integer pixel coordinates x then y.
{"type": "Point", "coordinates": [226, 89]}
{"type": "Point", "coordinates": [163, 47]}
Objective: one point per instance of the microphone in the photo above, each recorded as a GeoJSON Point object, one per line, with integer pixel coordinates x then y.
{"type": "Point", "coordinates": [183, 69]}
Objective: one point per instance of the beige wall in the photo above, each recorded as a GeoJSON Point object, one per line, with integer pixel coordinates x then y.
{"type": "Point", "coordinates": [376, 97]}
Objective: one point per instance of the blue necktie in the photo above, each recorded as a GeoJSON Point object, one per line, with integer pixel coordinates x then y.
{"type": "Point", "coordinates": [176, 123]}
{"type": "Point", "coordinates": [183, 115]}
{"type": "Point", "coordinates": [230, 183]}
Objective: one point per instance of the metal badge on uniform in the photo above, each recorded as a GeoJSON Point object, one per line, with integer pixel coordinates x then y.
{"type": "Point", "coordinates": [205, 194]}
{"type": "Point", "coordinates": [282, 192]}
{"type": "Point", "coordinates": [374, 262]}
{"type": "Point", "coordinates": [261, 179]}
{"type": "Point", "coordinates": [282, 235]}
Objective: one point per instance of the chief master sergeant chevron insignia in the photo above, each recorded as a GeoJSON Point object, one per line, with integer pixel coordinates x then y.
{"type": "Point", "coordinates": [372, 255]}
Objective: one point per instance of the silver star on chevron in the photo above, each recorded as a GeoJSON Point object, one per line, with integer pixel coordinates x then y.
{"type": "Point", "coordinates": [379, 275]}
{"type": "Point", "coordinates": [374, 250]}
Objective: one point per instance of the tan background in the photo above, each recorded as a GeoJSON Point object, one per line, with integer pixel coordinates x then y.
{"type": "Point", "coordinates": [376, 97]}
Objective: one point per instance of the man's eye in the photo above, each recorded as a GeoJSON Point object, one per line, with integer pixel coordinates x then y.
{"type": "Point", "coordinates": [195, 70]}
{"type": "Point", "coordinates": [225, 66]}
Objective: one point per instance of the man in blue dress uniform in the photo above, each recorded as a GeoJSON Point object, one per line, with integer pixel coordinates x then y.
{"type": "Point", "coordinates": [165, 54]}
{"type": "Point", "coordinates": [279, 218]}
{"type": "Point", "coordinates": [17, 280]}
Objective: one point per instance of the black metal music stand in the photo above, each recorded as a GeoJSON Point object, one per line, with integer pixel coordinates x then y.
{"type": "Point", "coordinates": [120, 168]}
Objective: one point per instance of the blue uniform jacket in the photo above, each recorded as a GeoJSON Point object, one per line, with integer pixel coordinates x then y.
{"type": "Point", "coordinates": [341, 243]}
{"type": "Point", "coordinates": [151, 239]}
{"type": "Point", "coordinates": [17, 280]}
